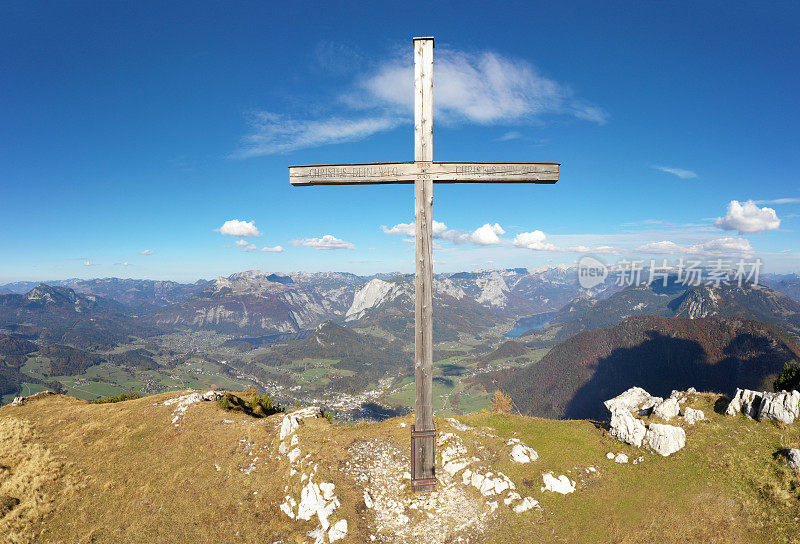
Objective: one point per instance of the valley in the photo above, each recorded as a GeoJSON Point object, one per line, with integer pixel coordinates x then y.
{"type": "Point", "coordinates": [346, 342]}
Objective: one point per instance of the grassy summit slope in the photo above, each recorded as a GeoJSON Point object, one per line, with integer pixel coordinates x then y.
{"type": "Point", "coordinates": [126, 473]}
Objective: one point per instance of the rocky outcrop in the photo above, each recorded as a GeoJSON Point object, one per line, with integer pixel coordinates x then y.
{"type": "Point", "coordinates": [662, 439]}
{"type": "Point", "coordinates": [667, 409]}
{"type": "Point", "coordinates": [665, 439]}
{"type": "Point", "coordinates": [793, 454]}
{"type": "Point", "coordinates": [692, 416]}
{"type": "Point", "coordinates": [520, 453]}
{"type": "Point", "coordinates": [783, 406]}
{"type": "Point", "coordinates": [634, 399]}
{"type": "Point", "coordinates": [626, 428]}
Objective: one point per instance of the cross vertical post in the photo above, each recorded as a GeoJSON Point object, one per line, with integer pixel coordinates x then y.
{"type": "Point", "coordinates": [423, 172]}
{"type": "Point", "coordinates": [423, 475]}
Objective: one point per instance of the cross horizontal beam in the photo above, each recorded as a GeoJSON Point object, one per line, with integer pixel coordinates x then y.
{"type": "Point", "coordinates": [439, 172]}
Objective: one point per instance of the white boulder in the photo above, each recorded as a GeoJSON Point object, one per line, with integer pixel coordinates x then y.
{"type": "Point", "coordinates": [665, 439]}
{"type": "Point", "coordinates": [338, 531]}
{"type": "Point", "coordinates": [621, 458]}
{"type": "Point", "coordinates": [520, 453]}
{"type": "Point", "coordinates": [526, 504]}
{"type": "Point", "coordinates": [667, 409]}
{"type": "Point", "coordinates": [692, 416]}
{"type": "Point", "coordinates": [562, 484]}
{"type": "Point", "coordinates": [635, 399]}
{"type": "Point", "coordinates": [626, 428]}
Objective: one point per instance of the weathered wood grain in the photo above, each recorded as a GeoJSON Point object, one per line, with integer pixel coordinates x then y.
{"type": "Point", "coordinates": [423, 250]}
{"type": "Point", "coordinates": [439, 172]}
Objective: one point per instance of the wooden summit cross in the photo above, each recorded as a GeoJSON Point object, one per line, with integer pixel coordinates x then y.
{"type": "Point", "coordinates": [423, 172]}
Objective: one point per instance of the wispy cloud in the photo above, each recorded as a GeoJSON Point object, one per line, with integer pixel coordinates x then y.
{"type": "Point", "coordinates": [510, 135]}
{"type": "Point", "coordinates": [327, 242]}
{"type": "Point", "coordinates": [748, 218]}
{"type": "Point", "coordinates": [779, 201]}
{"type": "Point", "coordinates": [680, 172]}
{"type": "Point", "coordinates": [483, 88]}
{"type": "Point", "coordinates": [717, 247]}
{"type": "Point", "coordinates": [272, 133]}
{"type": "Point", "coordinates": [146, 252]}
{"type": "Point", "coordinates": [479, 88]}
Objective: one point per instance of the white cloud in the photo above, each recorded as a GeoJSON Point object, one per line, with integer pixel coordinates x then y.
{"type": "Point", "coordinates": [126, 263]}
{"type": "Point", "coordinates": [484, 88]}
{"type": "Point", "coordinates": [234, 227]}
{"type": "Point", "coordinates": [272, 133]}
{"type": "Point", "coordinates": [146, 252]}
{"type": "Point", "coordinates": [719, 246]}
{"type": "Point", "coordinates": [722, 246]}
{"type": "Point", "coordinates": [327, 242]}
{"type": "Point", "coordinates": [665, 247]}
{"type": "Point", "coordinates": [408, 228]}
{"type": "Point", "coordinates": [748, 218]}
{"type": "Point", "coordinates": [778, 201]}
{"type": "Point", "coordinates": [536, 240]}
{"type": "Point", "coordinates": [244, 245]}
{"type": "Point", "coordinates": [680, 172]}
{"type": "Point", "coordinates": [87, 262]}
{"type": "Point", "coordinates": [486, 235]}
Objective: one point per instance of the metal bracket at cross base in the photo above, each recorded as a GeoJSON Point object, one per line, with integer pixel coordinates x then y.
{"type": "Point", "coordinates": [421, 483]}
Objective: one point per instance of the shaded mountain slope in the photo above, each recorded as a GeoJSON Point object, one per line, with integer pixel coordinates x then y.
{"type": "Point", "coordinates": [657, 353]}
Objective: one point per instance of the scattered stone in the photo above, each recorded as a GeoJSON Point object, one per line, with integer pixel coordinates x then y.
{"type": "Point", "coordinates": [667, 409]}
{"type": "Point", "coordinates": [610, 455]}
{"type": "Point", "coordinates": [457, 425]}
{"type": "Point", "coordinates": [511, 497]}
{"type": "Point", "coordinates": [793, 454]}
{"type": "Point", "coordinates": [18, 401]}
{"type": "Point", "coordinates": [621, 458]}
{"type": "Point", "coordinates": [368, 502]}
{"type": "Point", "coordinates": [211, 395]}
{"type": "Point", "coordinates": [562, 484]}
{"type": "Point", "coordinates": [626, 428]}
{"type": "Point", "coordinates": [665, 439]}
{"type": "Point", "coordinates": [294, 455]}
{"type": "Point", "coordinates": [338, 531]}
{"type": "Point", "coordinates": [526, 504]}
{"type": "Point", "coordinates": [520, 453]}
{"type": "Point", "coordinates": [693, 416]}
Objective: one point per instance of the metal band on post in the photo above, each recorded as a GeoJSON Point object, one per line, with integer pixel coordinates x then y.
{"type": "Point", "coordinates": [421, 484]}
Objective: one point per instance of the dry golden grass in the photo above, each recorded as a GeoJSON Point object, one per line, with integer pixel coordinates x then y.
{"type": "Point", "coordinates": [122, 472]}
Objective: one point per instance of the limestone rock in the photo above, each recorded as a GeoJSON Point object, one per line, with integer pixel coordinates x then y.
{"type": "Point", "coordinates": [634, 399]}
{"type": "Point", "coordinates": [621, 458]}
{"type": "Point", "coordinates": [520, 453]}
{"type": "Point", "coordinates": [667, 409]}
{"type": "Point", "coordinates": [211, 395]}
{"type": "Point", "coordinates": [526, 504]}
{"type": "Point", "coordinates": [692, 416]}
{"type": "Point", "coordinates": [794, 458]}
{"type": "Point", "coordinates": [783, 406]}
{"type": "Point", "coordinates": [338, 531]}
{"type": "Point", "coordinates": [562, 484]}
{"type": "Point", "coordinates": [665, 439]}
{"type": "Point", "coordinates": [626, 428]}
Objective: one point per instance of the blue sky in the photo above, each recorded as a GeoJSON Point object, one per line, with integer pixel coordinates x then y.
{"type": "Point", "coordinates": [133, 132]}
